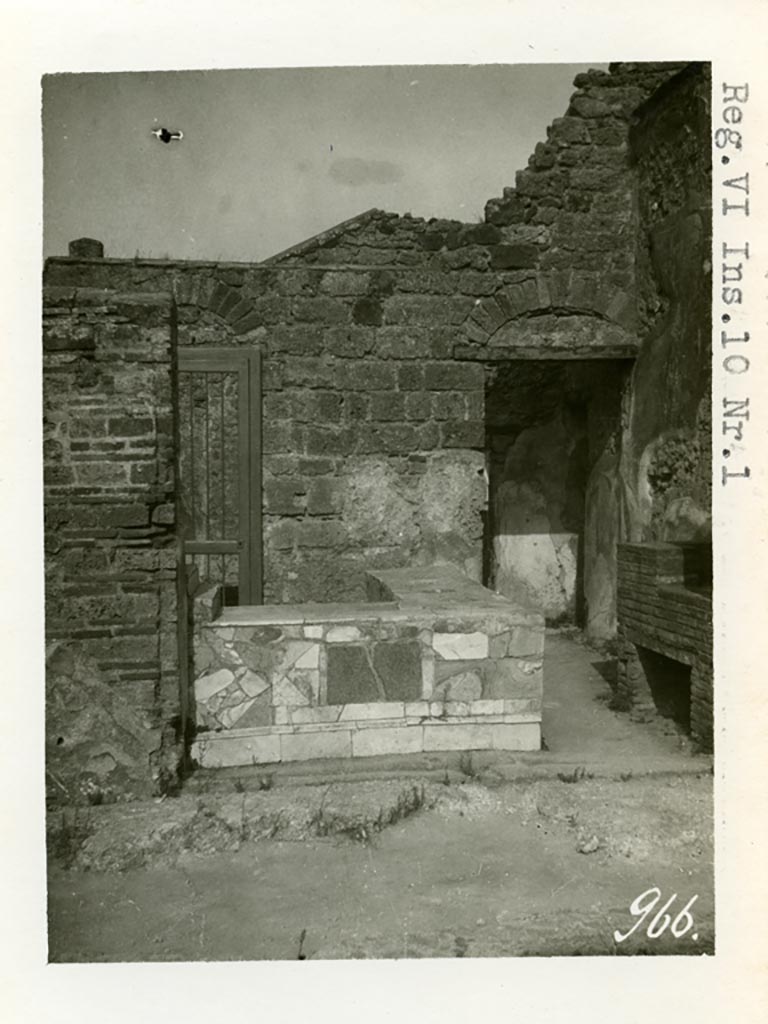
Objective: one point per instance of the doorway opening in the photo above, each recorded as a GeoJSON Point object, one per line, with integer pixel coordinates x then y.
{"type": "Point", "coordinates": [552, 441]}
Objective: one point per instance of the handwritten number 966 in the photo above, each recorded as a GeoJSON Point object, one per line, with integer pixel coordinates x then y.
{"type": "Point", "coordinates": [646, 903]}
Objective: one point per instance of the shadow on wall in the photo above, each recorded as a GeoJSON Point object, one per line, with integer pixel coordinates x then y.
{"type": "Point", "coordinates": [553, 439]}
{"type": "Point", "coordinates": [670, 686]}
{"type": "Point", "coordinates": [537, 442]}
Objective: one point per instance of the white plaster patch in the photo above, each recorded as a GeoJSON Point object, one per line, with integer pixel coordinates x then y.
{"type": "Point", "coordinates": [460, 646]}
{"type": "Point", "coordinates": [539, 567]}
{"type": "Point", "coordinates": [313, 632]}
{"type": "Point", "coordinates": [207, 686]}
{"type": "Point", "coordinates": [342, 634]}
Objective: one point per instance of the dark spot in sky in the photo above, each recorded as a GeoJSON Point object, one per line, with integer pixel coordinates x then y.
{"type": "Point", "coordinates": [355, 171]}
{"type": "Point", "coordinates": [165, 135]}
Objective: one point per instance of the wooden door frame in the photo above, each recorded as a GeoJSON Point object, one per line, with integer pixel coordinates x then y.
{"type": "Point", "coordinates": [246, 362]}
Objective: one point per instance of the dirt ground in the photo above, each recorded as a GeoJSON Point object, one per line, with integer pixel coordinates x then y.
{"type": "Point", "coordinates": [471, 867]}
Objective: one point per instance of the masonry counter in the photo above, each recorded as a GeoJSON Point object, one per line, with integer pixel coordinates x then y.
{"type": "Point", "coordinates": [432, 661]}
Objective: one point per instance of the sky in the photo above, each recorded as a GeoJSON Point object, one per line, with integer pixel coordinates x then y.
{"type": "Point", "coordinates": [271, 157]}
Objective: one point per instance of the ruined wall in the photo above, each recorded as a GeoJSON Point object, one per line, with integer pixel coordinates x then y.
{"type": "Point", "coordinates": [580, 192]}
{"type": "Point", "coordinates": [555, 270]}
{"type": "Point", "coordinates": [112, 680]}
{"type": "Point", "coordinates": [630, 221]}
{"type": "Point", "coordinates": [376, 335]}
{"type": "Point", "coordinates": [372, 432]}
{"type": "Point", "coordinates": [666, 457]}
{"type": "Point", "coordinates": [380, 339]}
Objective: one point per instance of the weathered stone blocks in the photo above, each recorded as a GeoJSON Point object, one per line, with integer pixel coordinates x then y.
{"type": "Point", "coordinates": [421, 659]}
{"type": "Point", "coordinates": [508, 678]}
{"type": "Point", "coordinates": [460, 646]}
{"type": "Point", "coordinates": [310, 745]}
{"type": "Point", "coordinates": [398, 666]}
{"type": "Point", "coordinates": [463, 685]}
{"type": "Point", "coordinates": [350, 676]}
{"type": "Point", "coordinates": [99, 745]}
{"type": "Point", "coordinates": [398, 740]}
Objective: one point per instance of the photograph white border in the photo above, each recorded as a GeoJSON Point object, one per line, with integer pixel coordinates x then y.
{"type": "Point", "coordinates": [105, 35]}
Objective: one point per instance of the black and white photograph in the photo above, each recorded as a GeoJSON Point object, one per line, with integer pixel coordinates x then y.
{"type": "Point", "coordinates": [395, 418]}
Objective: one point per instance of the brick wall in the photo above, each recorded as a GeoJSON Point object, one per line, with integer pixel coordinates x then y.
{"type": "Point", "coordinates": [373, 434]}
{"type": "Point", "coordinates": [110, 531]}
{"type": "Point", "coordinates": [665, 606]}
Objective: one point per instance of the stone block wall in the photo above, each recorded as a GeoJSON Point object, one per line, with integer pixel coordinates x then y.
{"type": "Point", "coordinates": [373, 434]}
{"type": "Point", "coordinates": [576, 193]}
{"type": "Point", "coordinates": [376, 333]}
{"type": "Point", "coordinates": [665, 607]}
{"type": "Point", "coordinates": [110, 541]}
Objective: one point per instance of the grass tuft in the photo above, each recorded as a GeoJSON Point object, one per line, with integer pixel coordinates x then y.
{"type": "Point", "coordinates": [363, 829]}
{"type": "Point", "coordinates": [577, 775]}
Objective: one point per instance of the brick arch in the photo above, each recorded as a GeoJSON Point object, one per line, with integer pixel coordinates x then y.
{"type": "Point", "coordinates": [230, 304]}
{"type": "Point", "coordinates": [561, 313]}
